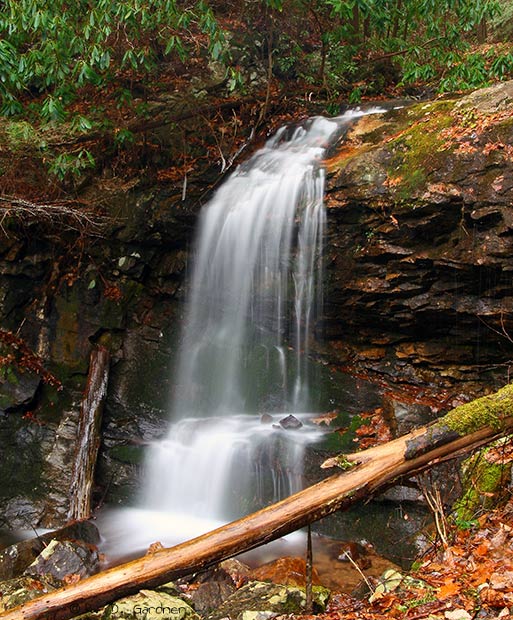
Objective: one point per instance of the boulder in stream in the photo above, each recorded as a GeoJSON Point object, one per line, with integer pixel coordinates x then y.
{"type": "Point", "coordinates": [290, 422]}
{"type": "Point", "coordinates": [62, 559]}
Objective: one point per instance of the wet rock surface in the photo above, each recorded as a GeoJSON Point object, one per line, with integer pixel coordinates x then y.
{"type": "Point", "coordinates": [17, 392]}
{"type": "Point", "coordinates": [420, 239]}
{"type": "Point", "coordinates": [65, 559]}
{"type": "Point", "coordinates": [290, 423]}
{"type": "Point", "coordinates": [289, 571]}
{"type": "Point", "coordinates": [215, 585]}
{"type": "Point", "coordinates": [210, 595]}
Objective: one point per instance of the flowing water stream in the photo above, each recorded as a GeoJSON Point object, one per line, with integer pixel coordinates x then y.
{"type": "Point", "coordinates": [254, 295]}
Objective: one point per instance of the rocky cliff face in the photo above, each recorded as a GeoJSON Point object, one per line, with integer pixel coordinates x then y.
{"type": "Point", "coordinates": [63, 293]}
{"type": "Point", "coordinates": [420, 243]}
{"type": "Point", "coordinates": [419, 290]}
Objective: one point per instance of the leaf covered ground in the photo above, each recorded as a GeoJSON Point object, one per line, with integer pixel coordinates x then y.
{"type": "Point", "coordinates": [472, 577]}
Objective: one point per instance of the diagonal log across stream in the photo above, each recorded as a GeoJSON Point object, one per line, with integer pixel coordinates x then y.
{"type": "Point", "coordinates": [462, 429]}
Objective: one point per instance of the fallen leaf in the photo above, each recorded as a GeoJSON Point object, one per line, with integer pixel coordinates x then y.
{"type": "Point", "coordinates": [501, 581]}
{"type": "Point", "coordinates": [499, 539]}
{"type": "Point", "coordinates": [449, 588]}
{"type": "Point", "coordinates": [482, 550]}
{"type": "Point", "coordinates": [457, 614]}
{"type": "Point", "coordinates": [325, 418]}
{"type": "Point", "coordinates": [71, 578]}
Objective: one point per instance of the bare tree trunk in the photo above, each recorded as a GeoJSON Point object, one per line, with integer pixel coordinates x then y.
{"type": "Point", "coordinates": [462, 429]}
{"type": "Point", "coordinates": [482, 31]}
{"type": "Point", "coordinates": [395, 29]}
{"type": "Point", "coordinates": [88, 435]}
{"type": "Point", "coordinates": [355, 23]}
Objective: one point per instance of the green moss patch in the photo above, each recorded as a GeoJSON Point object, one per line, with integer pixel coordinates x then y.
{"type": "Point", "coordinates": [416, 149]}
{"type": "Point", "coordinates": [486, 411]}
{"type": "Point", "coordinates": [484, 481]}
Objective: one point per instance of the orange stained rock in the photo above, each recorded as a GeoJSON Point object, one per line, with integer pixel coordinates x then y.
{"type": "Point", "coordinates": [288, 571]}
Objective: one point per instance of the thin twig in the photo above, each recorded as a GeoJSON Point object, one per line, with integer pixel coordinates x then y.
{"type": "Point", "coordinates": [362, 574]}
{"type": "Point", "coordinates": [503, 333]}
{"type": "Point", "coordinates": [434, 501]}
{"type": "Point", "coordinates": [308, 573]}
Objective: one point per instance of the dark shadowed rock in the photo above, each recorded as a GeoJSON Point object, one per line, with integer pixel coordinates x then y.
{"type": "Point", "coordinates": [64, 558]}
{"type": "Point", "coordinates": [210, 595]}
{"type": "Point", "coordinates": [18, 390]}
{"type": "Point", "coordinates": [15, 558]}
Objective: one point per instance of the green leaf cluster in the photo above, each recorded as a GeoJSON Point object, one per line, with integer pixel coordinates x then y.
{"type": "Point", "coordinates": [51, 48]}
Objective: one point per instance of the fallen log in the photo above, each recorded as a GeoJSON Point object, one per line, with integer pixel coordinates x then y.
{"type": "Point", "coordinates": [464, 428]}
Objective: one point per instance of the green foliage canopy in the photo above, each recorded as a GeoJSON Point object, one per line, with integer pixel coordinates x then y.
{"type": "Point", "coordinates": [424, 40]}
{"type": "Point", "coordinates": [49, 49]}
{"type": "Point", "coordinates": [54, 47]}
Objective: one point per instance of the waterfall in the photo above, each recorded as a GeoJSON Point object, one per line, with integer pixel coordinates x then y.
{"type": "Point", "coordinates": [254, 293]}
{"type": "Point", "coordinates": [258, 238]}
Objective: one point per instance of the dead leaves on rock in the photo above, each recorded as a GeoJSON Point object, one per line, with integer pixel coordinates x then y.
{"type": "Point", "coordinates": [375, 432]}
{"type": "Point", "coordinates": [467, 128]}
{"type": "Point", "coordinates": [477, 569]}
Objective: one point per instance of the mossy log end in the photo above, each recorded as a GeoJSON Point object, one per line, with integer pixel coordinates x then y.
{"type": "Point", "coordinates": [489, 411]}
{"type": "Point", "coordinates": [486, 412]}
{"type": "Point", "coordinates": [374, 469]}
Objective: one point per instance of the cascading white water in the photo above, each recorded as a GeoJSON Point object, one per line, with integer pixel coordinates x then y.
{"type": "Point", "coordinates": [223, 467]}
{"type": "Point", "coordinates": [259, 236]}
{"type": "Point", "coordinates": [254, 290]}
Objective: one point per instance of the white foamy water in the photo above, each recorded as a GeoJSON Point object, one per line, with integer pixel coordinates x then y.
{"type": "Point", "coordinates": [221, 467]}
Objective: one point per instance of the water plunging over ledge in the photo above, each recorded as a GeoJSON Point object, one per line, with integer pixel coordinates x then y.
{"type": "Point", "coordinates": [254, 294]}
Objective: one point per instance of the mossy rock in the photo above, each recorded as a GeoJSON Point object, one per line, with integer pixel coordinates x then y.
{"type": "Point", "coordinates": [491, 100]}
{"type": "Point", "coordinates": [133, 455]}
{"type": "Point", "coordinates": [258, 596]}
{"type": "Point", "coordinates": [150, 605]}
{"type": "Point", "coordinates": [169, 588]}
{"type": "Point", "coordinates": [485, 411]}
{"type": "Point", "coordinates": [20, 590]}
{"type": "Point", "coordinates": [485, 481]}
